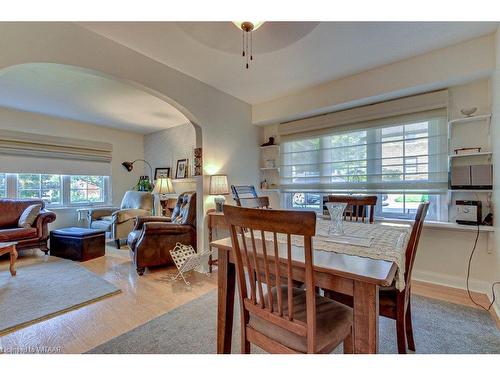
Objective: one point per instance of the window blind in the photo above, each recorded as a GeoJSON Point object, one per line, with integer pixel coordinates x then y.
{"type": "Point", "coordinates": [37, 153]}
{"type": "Point", "coordinates": [396, 154]}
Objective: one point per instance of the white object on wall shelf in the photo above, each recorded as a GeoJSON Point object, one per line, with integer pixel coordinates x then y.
{"type": "Point", "coordinates": [470, 119]}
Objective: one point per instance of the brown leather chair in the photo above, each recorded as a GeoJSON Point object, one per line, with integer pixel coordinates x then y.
{"type": "Point", "coordinates": [34, 237]}
{"type": "Point", "coordinates": [153, 237]}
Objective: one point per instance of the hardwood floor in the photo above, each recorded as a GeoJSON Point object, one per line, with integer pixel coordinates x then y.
{"type": "Point", "coordinates": [142, 299]}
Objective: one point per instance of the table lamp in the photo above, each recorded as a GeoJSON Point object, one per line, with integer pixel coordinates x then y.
{"type": "Point", "coordinates": [219, 187]}
{"type": "Point", "coordinates": [163, 185]}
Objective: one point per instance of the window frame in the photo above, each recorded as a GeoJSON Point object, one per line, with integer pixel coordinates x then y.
{"type": "Point", "coordinates": [405, 135]}
{"type": "Point", "coordinates": [86, 204]}
{"type": "Point", "coordinates": [12, 191]}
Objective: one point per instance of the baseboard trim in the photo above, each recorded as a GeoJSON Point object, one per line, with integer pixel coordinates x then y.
{"type": "Point", "coordinates": [452, 289]}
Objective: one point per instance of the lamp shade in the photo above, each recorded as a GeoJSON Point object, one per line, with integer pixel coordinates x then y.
{"type": "Point", "coordinates": [218, 185]}
{"type": "Point", "coordinates": [163, 185]}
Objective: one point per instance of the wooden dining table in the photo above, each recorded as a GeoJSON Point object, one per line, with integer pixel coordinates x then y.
{"type": "Point", "coordinates": [353, 275]}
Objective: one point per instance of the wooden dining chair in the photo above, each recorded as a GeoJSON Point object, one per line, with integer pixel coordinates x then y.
{"type": "Point", "coordinates": [393, 303]}
{"type": "Point", "coordinates": [258, 202]}
{"type": "Point", "coordinates": [357, 206]}
{"type": "Point", "coordinates": [285, 319]}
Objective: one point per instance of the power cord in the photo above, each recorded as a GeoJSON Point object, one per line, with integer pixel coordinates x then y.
{"type": "Point", "coordinates": [468, 275]}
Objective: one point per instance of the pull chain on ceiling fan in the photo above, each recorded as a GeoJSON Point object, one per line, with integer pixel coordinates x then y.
{"type": "Point", "coordinates": [247, 28]}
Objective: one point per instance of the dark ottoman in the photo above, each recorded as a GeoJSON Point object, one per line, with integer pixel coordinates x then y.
{"type": "Point", "coordinates": [75, 243]}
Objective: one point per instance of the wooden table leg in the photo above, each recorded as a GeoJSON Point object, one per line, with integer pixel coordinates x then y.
{"type": "Point", "coordinates": [13, 257]}
{"type": "Point", "coordinates": [366, 305]}
{"type": "Point", "coordinates": [225, 303]}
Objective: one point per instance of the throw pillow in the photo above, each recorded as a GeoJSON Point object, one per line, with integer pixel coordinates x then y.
{"type": "Point", "coordinates": [29, 216]}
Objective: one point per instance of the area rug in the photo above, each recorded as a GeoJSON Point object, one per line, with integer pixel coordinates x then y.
{"type": "Point", "coordinates": [439, 327]}
{"type": "Point", "coordinates": [46, 288]}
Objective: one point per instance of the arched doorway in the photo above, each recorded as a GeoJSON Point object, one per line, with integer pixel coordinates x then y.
{"type": "Point", "coordinates": [32, 84]}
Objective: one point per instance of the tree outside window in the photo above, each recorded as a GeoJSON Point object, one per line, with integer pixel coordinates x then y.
{"type": "Point", "coordinates": [86, 189]}
{"type": "Point", "coordinates": [44, 186]}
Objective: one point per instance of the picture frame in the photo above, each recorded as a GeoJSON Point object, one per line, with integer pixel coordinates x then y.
{"type": "Point", "coordinates": [181, 170]}
{"type": "Point", "coordinates": [162, 172]}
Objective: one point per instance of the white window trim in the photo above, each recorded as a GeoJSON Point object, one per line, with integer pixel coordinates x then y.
{"type": "Point", "coordinates": [11, 192]}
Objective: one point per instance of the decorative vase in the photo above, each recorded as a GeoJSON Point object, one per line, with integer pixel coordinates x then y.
{"type": "Point", "coordinates": [336, 211]}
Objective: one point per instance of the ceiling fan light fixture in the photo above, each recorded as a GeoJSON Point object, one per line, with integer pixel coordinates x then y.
{"type": "Point", "coordinates": [247, 28]}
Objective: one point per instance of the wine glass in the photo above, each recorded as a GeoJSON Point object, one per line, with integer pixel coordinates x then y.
{"type": "Point", "coordinates": [336, 210]}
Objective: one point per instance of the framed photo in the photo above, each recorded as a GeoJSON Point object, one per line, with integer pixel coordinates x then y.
{"type": "Point", "coordinates": [162, 172]}
{"type": "Point", "coordinates": [182, 169]}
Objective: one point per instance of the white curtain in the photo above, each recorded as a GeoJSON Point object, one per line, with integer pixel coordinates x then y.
{"type": "Point", "coordinates": [397, 154]}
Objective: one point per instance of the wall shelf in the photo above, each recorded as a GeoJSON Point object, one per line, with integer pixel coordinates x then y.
{"type": "Point", "coordinates": [270, 190]}
{"type": "Point", "coordinates": [470, 119]}
{"type": "Point", "coordinates": [270, 147]}
{"type": "Point", "coordinates": [483, 153]}
{"type": "Point", "coordinates": [269, 169]}
{"type": "Point", "coordinates": [470, 191]}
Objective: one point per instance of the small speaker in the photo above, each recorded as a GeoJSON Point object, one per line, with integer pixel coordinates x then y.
{"type": "Point", "coordinates": [481, 176]}
{"type": "Point", "coordinates": [460, 177]}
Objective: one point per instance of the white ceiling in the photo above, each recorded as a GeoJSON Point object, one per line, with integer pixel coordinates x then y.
{"type": "Point", "coordinates": [288, 56]}
{"type": "Point", "coordinates": [83, 95]}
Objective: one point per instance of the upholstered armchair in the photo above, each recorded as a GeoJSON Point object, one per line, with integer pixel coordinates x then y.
{"type": "Point", "coordinates": [153, 237]}
{"type": "Point", "coordinates": [120, 221]}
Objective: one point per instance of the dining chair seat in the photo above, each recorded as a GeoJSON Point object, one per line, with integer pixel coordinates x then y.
{"type": "Point", "coordinates": [333, 322]}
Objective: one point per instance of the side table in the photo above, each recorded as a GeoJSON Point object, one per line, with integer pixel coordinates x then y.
{"type": "Point", "coordinates": [10, 247]}
{"type": "Point", "coordinates": [216, 222]}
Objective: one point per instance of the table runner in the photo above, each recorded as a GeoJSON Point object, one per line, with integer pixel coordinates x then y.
{"type": "Point", "coordinates": [389, 242]}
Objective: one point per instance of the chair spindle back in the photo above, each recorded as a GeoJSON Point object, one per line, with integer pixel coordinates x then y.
{"type": "Point", "coordinates": [357, 206]}
{"type": "Point", "coordinates": [268, 260]}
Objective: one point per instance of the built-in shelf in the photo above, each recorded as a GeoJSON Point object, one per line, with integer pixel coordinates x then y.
{"type": "Point", "coordinates": [470, 190]}
{"type": "Point", "coordinates": [270, 146]}
{"type": "Point", "coordinates": [483, 153]}
{"type": "Point", "coordinates": [470, 119]}
{"type": "Point", "coordinates": [270, 190]}
{"type": "Point", "coordinates": [269, 169]}
{"type": "Point", "coordinates": [443, 225]}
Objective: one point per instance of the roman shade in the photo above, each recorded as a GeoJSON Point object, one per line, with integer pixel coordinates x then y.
{"type": "Point", "coordinates": [36, 153]}
{"type": "Point", "coordinates": [405, 153]}
{"type": "Point", "coordinates": [361, 116]}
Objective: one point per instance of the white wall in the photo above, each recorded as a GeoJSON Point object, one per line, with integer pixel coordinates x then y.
{"type": "Point", "coordinates": [496, 160]}
{"type": "Point", "coordinates": [430, 71]}
{"type": "Point", "coordinates": [164, 148]}
{"type": "Point", "coordinates": [126, 146]}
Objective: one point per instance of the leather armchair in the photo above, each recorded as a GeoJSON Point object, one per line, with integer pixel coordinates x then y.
{"type": "Point", "coordinates": [153, 237]}
{"type": "Point", "coordinates": [120, 221]}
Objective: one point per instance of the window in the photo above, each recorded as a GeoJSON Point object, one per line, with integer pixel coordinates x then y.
{"type": "Point", "coordinates": [44, 186]}
{"type": "Point", "coordinates": [54, 189]}
{"type": "Point", "coordinates": [403, 161]}
{"type": "Point", "coordinates": [86, 189]}
{"type": "Point", "coordinates": [3, 185]}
